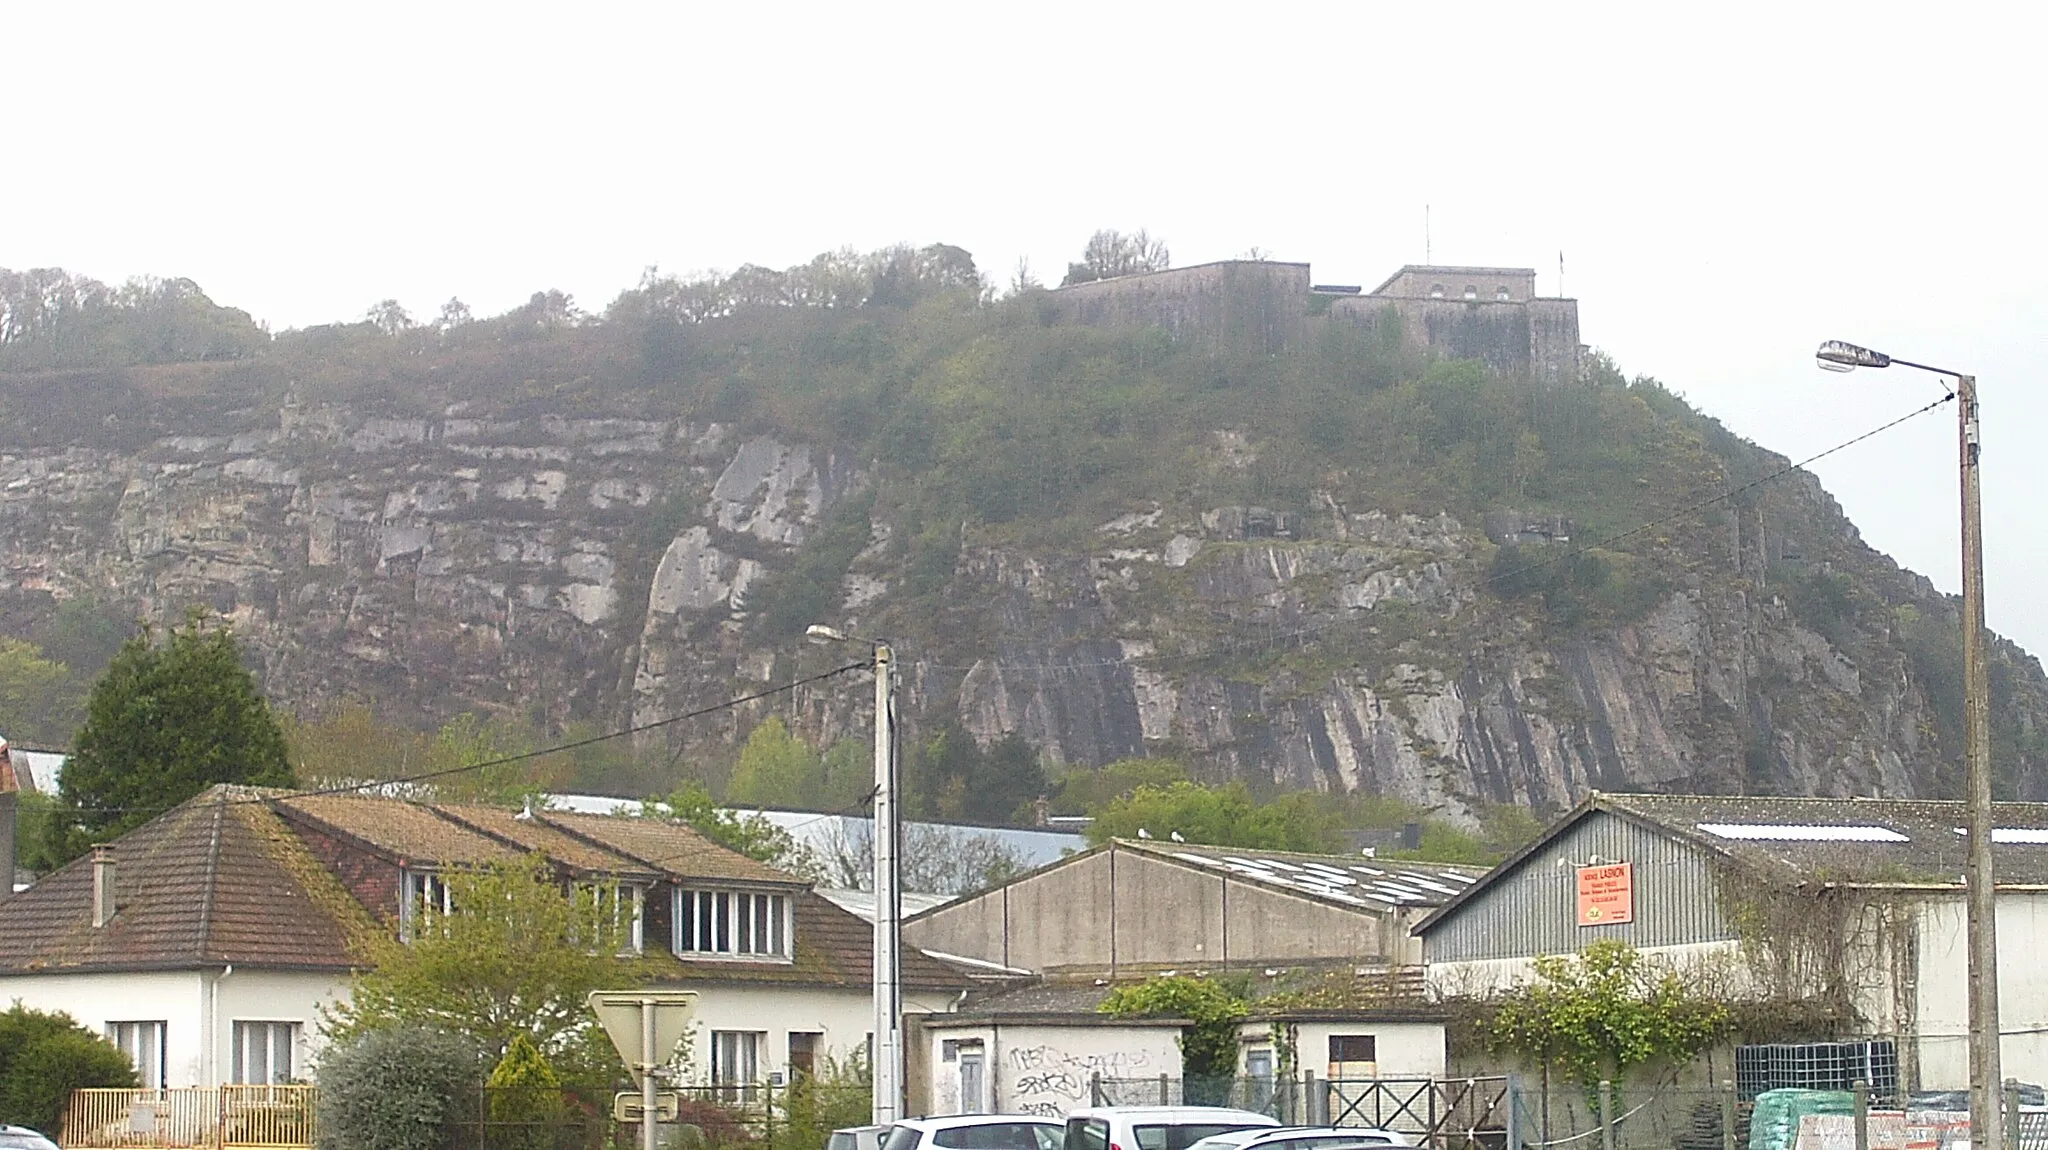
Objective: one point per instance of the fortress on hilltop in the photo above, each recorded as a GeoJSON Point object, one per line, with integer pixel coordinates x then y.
{"type": "Point", "coordinates": [1489, 314]}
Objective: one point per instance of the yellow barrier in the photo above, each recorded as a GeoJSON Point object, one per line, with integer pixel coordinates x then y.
{"type": "Point", "coordinates": [190, 1118]}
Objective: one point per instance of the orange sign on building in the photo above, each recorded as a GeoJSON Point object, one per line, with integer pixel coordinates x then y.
{"type": "Point", "coordinates": [1606, 894]}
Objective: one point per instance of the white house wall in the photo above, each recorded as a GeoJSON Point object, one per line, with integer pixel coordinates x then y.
{"type": "Point", "coordinates": [1404, 1049]}
{"type": "Point", "coordinates": [176, 999]}
{"type": "Point", "coordinates": [198, 1010]}
{"type": "Point", "coordinates": [1944, 1012]}
{"type": "Point", "coordinates": [844, 1017]}
{"type": "Point", "coordinates": [272, 996]}
{"type": "Point", "coordinates": [1046, 1069]}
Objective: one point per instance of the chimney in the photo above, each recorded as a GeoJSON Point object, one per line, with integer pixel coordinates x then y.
{"type": "Point", "coordinates": [103, 902]}
{"type": "Point", "coordinates": [1042, 809]}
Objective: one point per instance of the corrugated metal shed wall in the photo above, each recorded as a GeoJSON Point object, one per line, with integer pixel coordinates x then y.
{"type": "Point", "coordinates": [1535, 910]}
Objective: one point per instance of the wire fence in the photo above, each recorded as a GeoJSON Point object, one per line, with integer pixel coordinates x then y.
{"type": "Point", "coordinates": [1513, 1113]}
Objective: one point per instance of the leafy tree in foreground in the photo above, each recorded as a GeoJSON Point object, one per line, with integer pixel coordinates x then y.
{"type": "Point", "coordinates": [165, 722]}
{"type": "Point", "coordinates": [517, 957]}
{"type": "Point", "coordinates": [44, 1056]}
{"type": "Point", "coordinates": [1604, 1011]}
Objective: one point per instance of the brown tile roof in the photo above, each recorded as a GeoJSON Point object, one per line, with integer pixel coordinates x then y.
{"type": "Point", "coordinates": [534, 835]}
{"type": "Point", "coordinates": [834, 947]}
{"type": "Point", "coordinates": [667, 847]}
{"type": "Point", "coordinates": [216, 880]}
{"type": "Point", "coordinates": [409, 832]}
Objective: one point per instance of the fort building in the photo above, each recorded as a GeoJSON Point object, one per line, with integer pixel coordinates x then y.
{"type": "Point", "coordinates": [1485, 313]}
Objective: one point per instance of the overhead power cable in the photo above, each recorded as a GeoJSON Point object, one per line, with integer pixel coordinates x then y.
{"type": "Point", "coordinates": [445, 772]}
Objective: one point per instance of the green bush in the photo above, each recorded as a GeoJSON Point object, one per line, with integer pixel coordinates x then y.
{"type": "Point", "coordinates": [44, 1056]}
{"type": "Point", "coordinates": [401, 1088]}
{"type": "Point", "coordinates": [526, 1099]}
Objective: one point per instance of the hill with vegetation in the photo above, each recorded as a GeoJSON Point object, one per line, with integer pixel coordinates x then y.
{"type": "Point", "coordinates": [1343, 567]}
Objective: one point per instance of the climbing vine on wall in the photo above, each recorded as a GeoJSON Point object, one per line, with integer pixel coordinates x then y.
{"type": "Point", "coordinates": [1208, 1044]}
{"type": "Point", "coordinates": [1604, 1011]}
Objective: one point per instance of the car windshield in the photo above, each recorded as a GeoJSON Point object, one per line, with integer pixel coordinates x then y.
{"type": "Point", "coordinates": [1087, 1134]}
{"type": "Point", "coordinates": [1180, 1136]}
{"type": "Point", "coordinates": [998, 1136]}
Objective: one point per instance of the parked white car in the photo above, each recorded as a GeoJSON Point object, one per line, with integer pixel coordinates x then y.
{"type": "Point", "coordinates": [857, 1138]}
{"type": "Point", "coordinates": [975, 1132]}
{"type": "Point", "coordinates": [1155, 1127]}
{"type": "Point", "coordinates": [1305, 1138]}
{"type": "Point", "coordinates": [21, 1137]}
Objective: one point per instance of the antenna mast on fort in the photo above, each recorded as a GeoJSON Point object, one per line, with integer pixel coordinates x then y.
{"type": "Point", "coordinates": [1425, 235]}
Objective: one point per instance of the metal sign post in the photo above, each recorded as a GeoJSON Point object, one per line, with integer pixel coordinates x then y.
{"type": "Point", "coordinates": [645, 1026]}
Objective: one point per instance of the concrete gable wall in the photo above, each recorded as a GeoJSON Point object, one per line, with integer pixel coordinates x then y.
{"type": "Point", "coordinates": [1118, 908]}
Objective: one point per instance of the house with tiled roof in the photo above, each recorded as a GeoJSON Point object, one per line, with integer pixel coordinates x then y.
{"type": "Point", "coordinates": [1850, 907]}
{"type": "Point", "coordinates": [206, 941]}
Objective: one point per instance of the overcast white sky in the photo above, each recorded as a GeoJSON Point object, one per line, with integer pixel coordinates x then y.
{"type": "Point", "coordinates": [1729, 184]}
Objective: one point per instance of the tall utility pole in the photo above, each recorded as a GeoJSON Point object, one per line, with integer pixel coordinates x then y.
{"type": "Point", "coordinates": [1987, 1109]}
{"type": "Point", "coordinates": [888, 1041]}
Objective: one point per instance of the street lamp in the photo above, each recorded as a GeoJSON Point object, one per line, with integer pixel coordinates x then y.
{"type": "Point", "coordinates": [886, 1048]}
{"type": "Point", "coordinates": [1987, 1114]}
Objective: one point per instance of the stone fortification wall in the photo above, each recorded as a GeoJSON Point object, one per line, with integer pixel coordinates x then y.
{"type": "Point", "coordinates": [1430, 282]}
{"type": "Point", "coordinates": [1537, 339]}
{"type": "Point", "coordinates": [1265, 306]}
{"type": "Point", "coordinates": [1242, 303]}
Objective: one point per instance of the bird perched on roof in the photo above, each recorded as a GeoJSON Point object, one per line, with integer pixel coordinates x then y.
{"type": "Point", "coordinates": [1175, 836]}
{"type": "Point", "coordinates": [1143, 833]}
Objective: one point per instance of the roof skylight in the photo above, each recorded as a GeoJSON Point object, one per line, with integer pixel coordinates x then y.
{"type": "Point", "coordinates": [2019, 836]}
{"type": "Point", "coordinates": [1797, 833]}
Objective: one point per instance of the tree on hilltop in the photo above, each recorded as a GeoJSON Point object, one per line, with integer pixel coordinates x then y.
{"type": "Point", "coordinates": [1111, 253]}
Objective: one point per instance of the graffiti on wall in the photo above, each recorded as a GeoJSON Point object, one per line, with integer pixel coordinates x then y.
{"type": "Point", "coordinates": [1048, 1081]}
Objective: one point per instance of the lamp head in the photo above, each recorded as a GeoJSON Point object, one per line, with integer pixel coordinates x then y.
{"type": "Point", "coordinates": [1834, 355]}
{"type": "Point", "coordinates": [819, 633]}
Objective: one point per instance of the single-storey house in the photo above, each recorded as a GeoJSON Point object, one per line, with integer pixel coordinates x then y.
{"type": "Point", "coordinates": [1854, 906]}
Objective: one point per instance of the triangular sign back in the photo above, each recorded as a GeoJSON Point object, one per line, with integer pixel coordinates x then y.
{"type": "Point", "coordinates": [619, 1012]}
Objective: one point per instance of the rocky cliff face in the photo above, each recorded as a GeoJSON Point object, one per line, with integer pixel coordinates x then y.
{"type": "Point", "coordinates": [600, 568]}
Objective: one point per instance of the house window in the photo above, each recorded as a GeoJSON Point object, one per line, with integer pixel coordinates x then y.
{"type": "Point", "coordinates": [617, 906]}
{"type": "Point", "coordinates": [804, 1046]}
{"type": "Point", "coordinates": [263, 1052]}
{"type": "Point", "coordinates": [736, 1062]}
{"type": "Point", "coordinates": [1436, 291]}
{"type": "Point", "coordinates": [1471, 291]}
{"type": "Point", "coordinates": [143, 1043]}
{"type": "Point", "coordinates": [424, 894]}
{"type": "Point", "coordinates": [732, 922]}
{"type": "Point", "coordinates": [1354, 1048]}
{"type": "Point", "coordinates": [1501, 294]}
